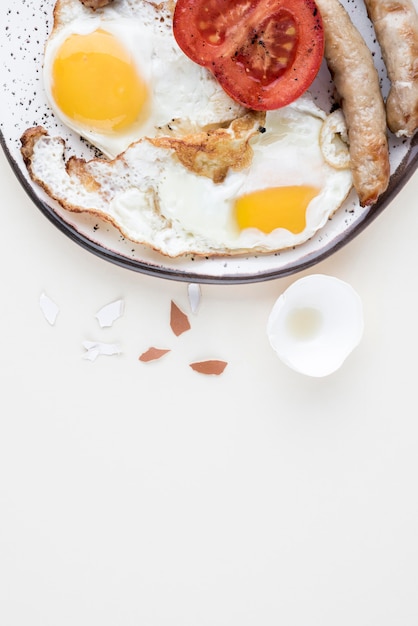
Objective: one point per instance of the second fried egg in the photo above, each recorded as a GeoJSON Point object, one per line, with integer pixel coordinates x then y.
{"type": "Point", "coordinates": [286, 195]}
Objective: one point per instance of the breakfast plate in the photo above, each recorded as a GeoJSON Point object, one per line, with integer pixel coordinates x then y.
{"type": "Point", "coordinates": [24, 30]}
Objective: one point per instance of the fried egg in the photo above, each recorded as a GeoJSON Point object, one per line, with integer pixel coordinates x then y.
{"type": "Point", "coordinates": [286, 195]}
{"type": "Point", "coordinates": [152, 193]}
{"type": "Point", "coordinates": [116, 74]}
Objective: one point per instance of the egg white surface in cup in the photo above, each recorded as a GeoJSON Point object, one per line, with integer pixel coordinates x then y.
{"type": "Point", "coordinates": [315, 324]}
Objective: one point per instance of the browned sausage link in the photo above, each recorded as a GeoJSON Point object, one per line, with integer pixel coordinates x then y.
{"type": "Point", "coordinates": [396, 26]}
{"type": "Point", "coordinates": [356, 81]}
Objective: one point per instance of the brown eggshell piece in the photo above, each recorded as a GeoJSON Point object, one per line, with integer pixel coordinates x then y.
{"type": "Point", "coordinates": [152, 354]}
{"type": "Point", "coordinates": [179, 321]}
{"type": "Point", "coordinates": [212, 367]}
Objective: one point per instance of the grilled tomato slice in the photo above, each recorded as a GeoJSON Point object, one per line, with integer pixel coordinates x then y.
{"type": "Point", "coordinates": [264, 53]}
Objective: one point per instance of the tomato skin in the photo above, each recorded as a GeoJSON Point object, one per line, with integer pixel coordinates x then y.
{"type": "Point", "coordinates": [264, 53]}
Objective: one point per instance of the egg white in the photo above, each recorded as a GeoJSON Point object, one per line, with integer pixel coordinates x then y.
{"type": "Point", "coordinates": [153, 199]}
{"type": "Point", "coordinates": [179, 89]}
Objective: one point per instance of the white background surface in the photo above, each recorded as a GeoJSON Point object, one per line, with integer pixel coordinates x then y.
{"type": "Point", "coordinates": [139, 494]}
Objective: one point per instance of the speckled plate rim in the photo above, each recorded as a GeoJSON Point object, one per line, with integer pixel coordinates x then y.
{"type": "Point", "coordinates": [397, 182]}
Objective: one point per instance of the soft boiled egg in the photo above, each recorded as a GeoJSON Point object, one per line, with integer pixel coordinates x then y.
{"type": "Point", "coordinates": [116, 74]}
{"type": "Point", "coordinates": [155, 193]}
{"type": "Point", "coordinates": [315, 324]}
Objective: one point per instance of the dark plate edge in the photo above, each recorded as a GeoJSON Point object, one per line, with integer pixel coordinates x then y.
{"type": "Point", "coordinates": [398, 180]}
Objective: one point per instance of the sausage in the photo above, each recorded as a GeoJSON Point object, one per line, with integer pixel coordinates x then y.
{"type": "Point", "coordinates": [356, 80]}
{"type": "Point", "coordinates": [396, 26]}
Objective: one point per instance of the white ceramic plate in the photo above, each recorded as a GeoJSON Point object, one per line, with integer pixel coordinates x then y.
{"type": "Point", "coordinates": [24, 27]}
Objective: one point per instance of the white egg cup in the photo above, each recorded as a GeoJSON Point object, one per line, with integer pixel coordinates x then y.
{"type": "Point", "coordinates": [315, 324]}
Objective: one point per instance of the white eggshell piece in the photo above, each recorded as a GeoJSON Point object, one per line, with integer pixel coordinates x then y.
{"type": "Point", "coordinates": [194, 292]}
{"type": "Point", "coordinates": [96, 348]}
{"type": "Point", "coordinates": [110, 313]}
{"type": "Point", "coordinates": [48, 308]}
{"type": "Point", "coordinates": [315, 324]}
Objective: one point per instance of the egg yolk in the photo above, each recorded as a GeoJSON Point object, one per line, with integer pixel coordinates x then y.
{"type": "Point", "coordinates": [96, 83]}
{"type": "Point", "coordinates": [276, 207]}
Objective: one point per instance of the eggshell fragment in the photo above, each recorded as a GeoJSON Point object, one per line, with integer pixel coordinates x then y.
{"type": "Point", "coordinates": [48, 308]}
{"type": "Point", "coordinates": [110, 313]}
{"type": "Point", "coordinates": [179, 321]}
{"type": "Point", "coordinates": [315, 324]}
{"type": "Point", "coordinates": [212, 367]}
{"type": "Point", "coordinates": [152, 354]}
{"type": "Point", "coordinates": [194, 292]}
{"type": "Point", "coordinates": [96, 348]}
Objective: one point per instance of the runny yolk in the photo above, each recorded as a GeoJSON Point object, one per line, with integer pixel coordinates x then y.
{"type": "Point", "coordinates": [276, 207]}
{"type": "Point", "coordinates": [95, 82]}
